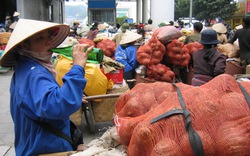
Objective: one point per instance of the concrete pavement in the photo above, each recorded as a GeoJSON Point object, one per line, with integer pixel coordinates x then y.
{"type": "Point", "coordinates": [7, 127]}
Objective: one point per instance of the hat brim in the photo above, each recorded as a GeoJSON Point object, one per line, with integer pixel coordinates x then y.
{"type": "Point", "coordinates": [219, 28]}
{"type": "Point", "coordinates": [129, 37]}
{"type": "Point", "coordinates": [26, 29]}
{"type": "Point", "coordinates": [210, 43]}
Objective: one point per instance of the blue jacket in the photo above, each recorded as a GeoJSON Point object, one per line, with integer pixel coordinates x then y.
{"type": "Point", "coordinates": [127, 57]}
{"type": "Point", "coordinates": [35, 95]}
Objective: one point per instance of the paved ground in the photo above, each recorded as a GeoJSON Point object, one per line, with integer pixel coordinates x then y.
{"type": "Point", "coordinates": [7, 127]}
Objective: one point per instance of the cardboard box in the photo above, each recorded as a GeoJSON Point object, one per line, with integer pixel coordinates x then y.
{"type": "Point", "coordinates": [116, 76]}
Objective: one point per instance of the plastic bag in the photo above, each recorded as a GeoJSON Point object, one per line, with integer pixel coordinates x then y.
{"type": "Point", "coordinates": [97, 82]}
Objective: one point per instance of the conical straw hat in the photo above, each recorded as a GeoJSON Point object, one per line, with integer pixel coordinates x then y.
{"type": "Point", "coordinates": [219, 28]}
{"type": "Point", "coordinates": [26, 28]}
{"type": "Point", "coordinates": [101, 27]}
{"type": "Point", "coordinates": [129, 37]}
{"type": "Point", "coordinates": [13, 25]}
{"type": "Point", "coordinates": [16, 14]}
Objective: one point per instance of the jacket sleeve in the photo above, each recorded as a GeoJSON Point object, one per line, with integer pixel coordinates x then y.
{"type": "Point", "coordinates": [121, 56]}
{"type": "Point", "coordinates": [55, 102]}
{"type": "Point", "coordinates": [234, 38]}
{"type": "Point", "coordinates": [220, 65]}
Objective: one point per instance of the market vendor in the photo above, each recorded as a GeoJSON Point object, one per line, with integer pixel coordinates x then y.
{"type": "Point", "coordinates": [126, 54]}
{"type": "Point", "coordinates": [35, 96]}
{"type": "Point", "coordinates": [208, 62]}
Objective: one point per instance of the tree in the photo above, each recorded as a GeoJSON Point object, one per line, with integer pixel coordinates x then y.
{"type": "Point", "coordinates": [206, 10]}
{"type": "Point", "coordinates": [181, 8]}
{"type": "Point", "coordinates": [211, 9]}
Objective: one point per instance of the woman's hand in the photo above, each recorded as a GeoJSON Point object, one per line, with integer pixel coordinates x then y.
{"type": "Point", "coordinates": [80, 54]}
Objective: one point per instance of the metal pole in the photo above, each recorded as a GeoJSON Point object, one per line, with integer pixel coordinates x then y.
{"type": "Point", "coordinates": [190, 12]}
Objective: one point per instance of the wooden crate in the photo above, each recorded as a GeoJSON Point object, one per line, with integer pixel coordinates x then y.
{"type": "Point", "coordinates": [104, 110]}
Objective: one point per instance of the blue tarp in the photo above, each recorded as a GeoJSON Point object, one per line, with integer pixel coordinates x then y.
{"type": "Point", "coordinates": [94, 4]}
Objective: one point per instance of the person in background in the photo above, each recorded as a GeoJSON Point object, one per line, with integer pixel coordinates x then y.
{"type": "Point", "coordinates": [16, 16]}
{"type": "Point", "coordinates": [1, 28]}
{"type": "Point", "coordinates": [207, 62]}
{"type": "Point", "coordinates": [149, 27]}
{"type": "Point", "coordinates": [126, 54]}
{"type": "Point", "coordinates": [221, 32]}
{"type": "Point", "coordinates": [196, 36]}
{"type": "Point", "coordinates": [7, 25]}
{"type": "Point", "coordinates": [171, 23]}
{"type": "Point", "coordinates": [117, 38]}
{"type": "Point", "coordinates": [34, 93]}
{"type": "Point", "coordinates": [83, 30]}
{"type": "Point", "coordinates": [93, 31]}
{"type": "Point", "coordinates": [74, 28]}
{"type": "Point", "coordinates": [243, 36]}
{"type": "Point", "coordinates": [162, 24]}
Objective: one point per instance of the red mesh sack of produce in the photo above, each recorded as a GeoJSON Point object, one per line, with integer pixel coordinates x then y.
{"type": "Point", "coordinates": [218, 110]}
{"type": "Point", "coordinates": [151, 53]}
{"type": "Point", "coordinates": [193, 47]}
{"type": "Point", "coordinates": [86, 41]}
{"type": "Point", "coordinates": [107, 46]}
{"type": "Point", "coordinates": [177, 54]}
{"type": "Point", "coordinates": [166, 34]}
{"type": "Point", "coordinates": [137, 102]}
{"type": "Point", "coordinates": [160, 72]}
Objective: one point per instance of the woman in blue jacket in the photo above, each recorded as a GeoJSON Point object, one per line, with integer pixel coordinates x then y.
{"type": "Point", "coordinates": [126, 54]}
{"type": "Point", "coordinates": [35, 94]}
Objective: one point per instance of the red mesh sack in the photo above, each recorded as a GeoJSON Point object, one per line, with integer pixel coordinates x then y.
{"type": "Point", "coordinates": [151, 53]}
{"type": "Point", "coordinates": [86, 41]}
{"type": "Point", "coordinates": [193, 47]}
{"type": "Point", "coordinates": [107, 46]}
{"type": "Point", "coordinates": [219, 112]}
{"type": "Point", "coordinates": [177, 54]}
{"type": "Point", "coordinates": [166, 34]}
{"type": "Point", "coordinates": [160, 72]}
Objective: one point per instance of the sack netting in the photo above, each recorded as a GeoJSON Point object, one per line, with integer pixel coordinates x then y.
{"type": "Point", "coordinates": [218, 110]}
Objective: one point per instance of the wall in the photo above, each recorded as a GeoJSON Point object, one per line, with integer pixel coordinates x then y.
{"type": "Point", "coordinates": [130, 6]}
{"type": "Point", "coordinates": [162, 10]}
{"type": "Point", "coordinates": [39, 10]}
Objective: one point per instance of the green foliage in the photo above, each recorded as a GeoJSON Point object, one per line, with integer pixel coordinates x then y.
{"type": "Point", "coordinates": [120, 20]}
{"type": "Point", "coordinates": [206, 10]}
{"type": "Point", "coordinates": [181, 8]}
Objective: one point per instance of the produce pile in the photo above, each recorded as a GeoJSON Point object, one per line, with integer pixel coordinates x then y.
{"type": "Point", "coordinates": [218, 110]}
{"type": "Point", "coordinates": [107, 46]}
{"type": "Point", "coordinates": [163, 51]}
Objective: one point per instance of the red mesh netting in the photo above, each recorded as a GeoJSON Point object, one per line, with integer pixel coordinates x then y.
{"type": "Point", "coordinates": [151, 53]}
{"type": "Point", "coordinates": [160, 72]}
{"type": "Point", "coordinates": [177, 54]}
{"type": "Point", "coordinates": [193, 46]}
{"type": "Point", "coordinates": [107, 46]}
{"type": "Point", "coordinates": [218, 109]}
{"type": "Point", "coordinates": [86, 41]}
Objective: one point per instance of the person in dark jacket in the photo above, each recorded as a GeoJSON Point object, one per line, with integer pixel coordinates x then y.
{"type": "Point", "coordinates": [207, 62]}
{"type": "Point", "coordinates": [243, 36]}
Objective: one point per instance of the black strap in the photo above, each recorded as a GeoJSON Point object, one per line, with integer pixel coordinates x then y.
{"type": "Point", "coordinates": [247, 97]}
{"type": "Point", "coordinates": [194, 138]}
{"type": "Point", "coordinates": [167, 114]}
{"type": "Point", "coordinates": [54, 131]}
